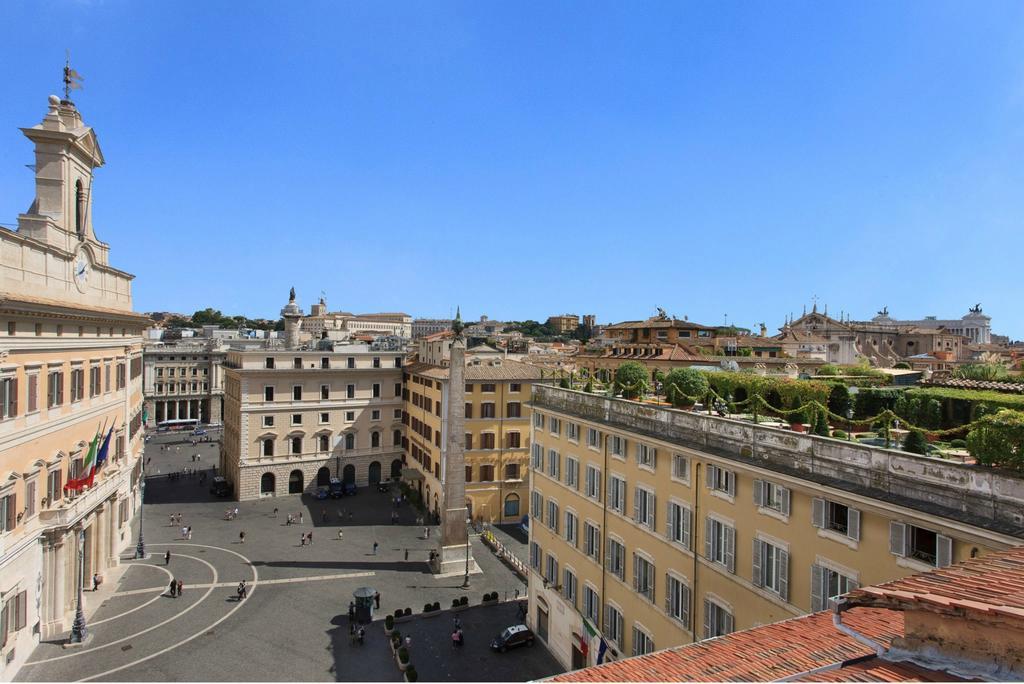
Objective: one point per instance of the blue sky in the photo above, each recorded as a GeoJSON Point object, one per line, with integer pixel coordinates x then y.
{"type": "Point", "coordinates": [531, 158]}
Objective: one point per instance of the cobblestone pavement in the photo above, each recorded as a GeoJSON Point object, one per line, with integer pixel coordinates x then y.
{"type": "Point", "coordinates": [293, 626]}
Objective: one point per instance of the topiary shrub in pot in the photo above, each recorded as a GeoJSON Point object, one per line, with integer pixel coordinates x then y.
{"type": "Point", "coordinates": [407, 612]}
{"type": "Point", "coordinates": [455, 603]}
{"type": "Point", "coordinates": [437, 605]}
{"type": "Point", "coordinates": [403, 658]}
{"type": "Point", "coordinates": [389, 624]}
{"type": "Point", "coordinates": [463, 600]}
{"type": "Point", "coordinates": [410, 674]}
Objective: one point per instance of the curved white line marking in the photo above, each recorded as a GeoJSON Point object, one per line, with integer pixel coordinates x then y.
{"type": "Point", "coordinates": [252, 590]}
{"type": "Point", "coordinates": [160, 592]}
{"type": "Point", "coordinates": [148, 629]}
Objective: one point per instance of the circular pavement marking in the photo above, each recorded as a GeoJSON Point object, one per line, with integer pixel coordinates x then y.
{"type": "Point", "coordinates": [160, 593]}
{"type": "Point", "coordinates": [204, 630]}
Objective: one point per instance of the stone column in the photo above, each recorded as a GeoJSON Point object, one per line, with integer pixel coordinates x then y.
{"type": "Point", "coordinates": [454, 540]}
{"type": "Point", "coordinates": [215, 408]}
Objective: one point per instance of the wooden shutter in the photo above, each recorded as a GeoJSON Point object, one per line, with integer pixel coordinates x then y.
{"type": "Point", "coordinates": [60, 388]}
{"type": "Point", "coordinates": [710, 476]}
{"type": "Point", "coordinates": [817, 588]}
{"type": "Point", "coordinates": [730, 548]}
{"type": "Point", "coordinates": [670, 526]}
{"type": "Point", "coordinates": [707, 619]}
{"type": "Point", "coordinates": [943, 551]}
{"type": "Point", "coordinates": [757, 575]}
{"type": "Point", "coordinates": [727, 623]}
{"type": "Point", "coordinates": [14, 397]}
{"type": "Point", "coordinates": [708, 531]}
{"type": "Point", "coordinates": [684, 599]}
{"type": "Point", "coordinates": [853, 523]}
{"type": "Point", "coordinates": [783, 570]}
{"type": "Point", "coordinates": [668, 594]}
{"type": "Point", "coordinates": [731, 483]}
{"type": "Point", "coordinates": [687, 521]}
{"type": "Point", "coordinates": [818, 512]}
{"type": "Point", "coordinates": [22, 610]}
{"type": "Point", "coordinates": [784, 500]}
{"type": "Point", "coordinates": [33, 392]}
{"type": "Point", "coordinates": [758, 493]}
{"type": "Point", "coordinates": [636, 572]}
{"type": "Point", "coordinates": [897, 539]}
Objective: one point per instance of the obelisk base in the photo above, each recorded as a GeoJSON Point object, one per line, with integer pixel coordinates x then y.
{"type": "Point", "coordinates": [451, 562]}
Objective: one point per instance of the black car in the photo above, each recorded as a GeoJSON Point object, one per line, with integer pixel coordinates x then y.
{"type": "Point", "coordinates": [220, 487]}
{"type": "Point", "coordinates": [336, 489]}
{"type": "Point", "coordinates": [510, 637]}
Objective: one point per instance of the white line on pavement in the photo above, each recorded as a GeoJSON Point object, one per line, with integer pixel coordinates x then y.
{"type": "Point", "coordinates": [286, 580]}
{"type": "Point", "coordinates": [93, 623]}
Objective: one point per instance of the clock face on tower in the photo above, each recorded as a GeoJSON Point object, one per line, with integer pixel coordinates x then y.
{"type": "Point", "coordinates": [81, 269]}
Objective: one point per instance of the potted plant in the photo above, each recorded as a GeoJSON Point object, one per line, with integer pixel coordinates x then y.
{"type": "Point", "coordinates": [389, 624]}
{"type": "Point", "coordinates": [403, 658]}
{"type": "Point", "coordinates": [797, 418]}
{"type": "Point", "coordinates": [410, 674]}
{"type": "Point", "coordinates": [396, 640]}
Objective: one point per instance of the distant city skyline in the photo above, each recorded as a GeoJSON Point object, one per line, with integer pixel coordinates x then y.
{"type": "Point", "coordinates": [530, 160]}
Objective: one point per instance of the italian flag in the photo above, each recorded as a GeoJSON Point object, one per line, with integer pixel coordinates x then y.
{"type": "Point", "coordinates": [88, 468]}
{"type": "Point", "coordinates": [588, 633]}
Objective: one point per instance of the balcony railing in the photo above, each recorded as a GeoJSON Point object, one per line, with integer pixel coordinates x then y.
{"type": "Point", "coordinates": [70, 511]}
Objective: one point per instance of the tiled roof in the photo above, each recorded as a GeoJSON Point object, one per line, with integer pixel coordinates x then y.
{"type": "Point", "coordinates": [18, 301]}
{"type": "Point", "coordinates": [878, 670]}
{"type": "Point", "coordinates": [775, 651]}
{"type": "Point", "coordinates": [990, 584]}
{"type": "Point", "coordinates": [485, 370]}
{"type": "Point", "coordinates": [959, 383]}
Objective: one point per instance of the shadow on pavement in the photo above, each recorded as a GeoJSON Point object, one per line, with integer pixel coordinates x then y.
{"type": "Point", "coordinates": [397, 566]}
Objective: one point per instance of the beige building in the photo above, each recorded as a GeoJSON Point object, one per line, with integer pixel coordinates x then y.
{"type": "Point", "coordinates": [661, 527]}
{"type": "Point", "coordinates": [342, 324]}
{"type": "Point", "coordinates": [295, 418]}
{"type": "Point", "coordinates": [70, 364]}
{"type": "Point", "coordinates": [184, 380]}
{"type": "Point", "coordinates": [564, 324]}
{"type": "Point", "coordinates": [497, 434]}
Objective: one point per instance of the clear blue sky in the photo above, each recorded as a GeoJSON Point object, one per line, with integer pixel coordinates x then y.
{"type": "Point", "coordinates": [531, 158]}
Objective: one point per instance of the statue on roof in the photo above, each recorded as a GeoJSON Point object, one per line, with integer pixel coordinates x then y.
{"type": "Point", "coordinates": [457, 326]}
{"type": "Point", "coordinates": [884, 311]}
{"type": "Point", "coordinates": [291, 295]}
{"type": "Point", "coordinates": [976, 308]}
{"type": "Point", "coordinates": [662, 314]}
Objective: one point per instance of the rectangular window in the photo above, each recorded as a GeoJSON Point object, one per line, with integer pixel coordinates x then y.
{"type": "Point", "coordinates": [268, 394]}
{"type": "Point", "coordinates": [515, 387]}
{"type": "Point", "coordinates": [592, 488]}
{"type": "Point", "coordinates": [768, 495]}
{"type": "Point", "coordinates": [8, 513]}
{"type": "Point", "coordinates": [351, 362]}
{"type": "Point", "coordinates": [613, 626]}
{"type": "Point", "coordinates": [572, 525]}
{"type": "Point", "coordinates": [569, 587]}
{"type": "Point", "coordinates": [268, 421]}
{"type": "Point", "coordinates": [920, 544]}
{"type": "Point", "coordinates": [325, 362]}
{"type": "Point", "coordinates": [572, 472]}
{"type": "Point", "coordinates": [643, 576]}
{"type": "Point", "coordinates": [513, 440]}
{"type": "Point", "coordinates": [555, 425]}
{"type": "Point", "coordinates": [551, 569]}
{"type": "Point", "coordinates": [593, 438]}
{"type": "Point", "coordinates": [487, 440]}
{"type": "Point", "coordinates": [721, 480]}
{"type": "Point", "coordinates": [8, 397]}
{"type": "Point", "coordinates": [488, 387]}
{"type": "Point", "coordinates": [646, 455]}
{"type": "Point", "coordinates": [486, 472]}
{"type": "Point", "coordinates": [835, 517]}
{"type": "Point", "coordinates": [720, 543]}
{"type": "Point", "coordinates": [534, 556]}
{"type": "Point", "coordinates": [537, 505]}
{"type": "Point", "coordinates": [677, 600]}
{"type": "Point", "coordinates": [268, 362]}
{"type": "Point", "coordinates": [296, 419]}
{"type": "Point", "coordinates": [717, 620]}
{"type": "Point", "coordinates": [537, 457]}
{"type": "Point", "coordinates": [350, 391]}
{"type": "Point", "coordinates": [554, 464]}
{"type": "Point", "coordinates": [297, 362]}
{"type": "Point", "coordinates": [616, 493]}
{"type": "Point", "coordinates": [642, 642]}
{"type": "Point", "coordinates": [514, 409]}
{"type": "Point", "coordinates": [376, 390]}
{"type": "Point", "coordinates": [325, 392]}
{"type": "Point", "coordinates": [55, 389]}
{"type": "Point", "coordinates": [511, 471]}
{"type": "Point", "coordinates": [553, 517]}
{"type": "Point", "coordinates": [469, 410]}
{"type": "Point", "coordinates": [398, 389]}
{"type": "Point", "coordinates": [592, 541]}
{"type": "Point", "coordinates": [771, 568]}
{"type": "Point", "coordinates": [616, 558]}
{"type": "Point", "coordinates": [680, 467]}
{"type": "Point", "coordinates": [617, 446]}
{"type": "Point", "coordinates": [376, 362]}
{"type": "Point", "coordinates": [643, 507]}
{"type": "Point", "coordinates": [679, 525]}
{"type": "Point", "coordinates": [538, 421]}
{"type": "Point", "coordinates": [375, 414]}
{"type": "Point", "coordinates": [591, 604]}
{"type": "Point", "coordinates": [487, 409]}
{"type": "Point", "coordinates": [350, 416]}
{"type": "Point", "coordinates": [572, 432]}
{"type": "Point", "coordinates": [827, 584]}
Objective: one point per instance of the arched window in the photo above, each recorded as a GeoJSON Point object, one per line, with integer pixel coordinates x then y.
{"type": "Point", "coordinates": [374, 439]}
{"type": "Point", "coordinates": [268, 447]}
{"type": "Point", "coordinates": [79, 209]}
{"type": "Point", "coordinates": [350, 441]}
{"type": "Point", "coordinates": [512, 505]}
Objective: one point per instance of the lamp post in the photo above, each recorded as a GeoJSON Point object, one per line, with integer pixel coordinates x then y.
{"type": "Point", "coordinates": [140, 548]}
{"type": "Point", "coordinates": [78, 629]}
{"type": "Point", "coordinates": [465, 578]}
{"type": "Point", "coordinates": [849, 424]}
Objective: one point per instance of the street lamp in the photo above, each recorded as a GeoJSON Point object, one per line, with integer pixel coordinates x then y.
{"type": "Point", "coordinates": [140, 548]}
{"type": "Point", "coordinates": [78, 629]}
{"type": "Point", "coordinates": [849, 424]}
{"type": "Point", "coordinates": [465, 578]}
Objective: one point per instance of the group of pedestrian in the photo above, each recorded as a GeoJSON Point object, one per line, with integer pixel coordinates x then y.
{"type": "Point", "coordinates": [242, 590]}
{"type": "Point", "coordinates": [356, 635]}
{"type": "Point", "coordinates": [394, 517]}
{"type": "Point", "coordinates": [177, 588]}
{"type": "Point", "coordinates": [175, 519]}
{"type": "Point", "coordinates": [307, 538]}
{"type": "Point", "coordinates": [457, 640]}
{"type": "Point", "coordinates": [231, 513]}
{"type": "Point", "coordinates": [186, 532]}
{"type": "Point", "coordinates": [292, 519]}
{"type": "Point", "coordinates": [197, 457]}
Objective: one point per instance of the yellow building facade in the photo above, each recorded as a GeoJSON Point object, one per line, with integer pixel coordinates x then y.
{"type": "Point", "coordinates": [497, 435]}
{"type": "Point", "coordinates": [70, 367]}
{"type": "Point", "coordinates": [661, 527]}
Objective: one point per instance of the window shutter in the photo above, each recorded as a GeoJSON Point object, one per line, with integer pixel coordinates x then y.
{"type": "Point", "coordinates": [731, 482]}
{"type": "Point", "coordinates": [784, 501]}
{"type": "Point", "coordinates": [611, 490]}
{"type": "Point", "coordinates": [730, 549]}
{"type": "Point", "coordinates": [670, 526]}
{"type": "Point", "coordinates": [654, 458]}
{"type": "Point", "coordinates": [853, 524]}
{"type": "Point", "coordinates": [727, 623]}
{"type": "Point", "coordinates": [636, 572]}
{"type": "Point", "coordinates": [707, 619]}
{"type": "Point", "coordinates": [757, 575]}
{"type": "Point", "coordinates": [711, 476]}
{"type": "Point", "coordinates": [14, 397]}
{"type": "Point", "coordinates": [608, 621]}
{"type": "Point", "coordinates": [708, 531]}
{"type": "Point", "coordinates": [22, 610]}
{"type": "Point", "coordinates": [684, 592]}
{"type": "Point", "coordinates": [668, 594]}
{"type": "Point", "coordinates": [608, 554]}
{"type": "Point", "coordinates": [897, 541]}
{"type": "Point", "coordinates": [758, 493]}
{"type": "Point", "coordinates": [817, 588]}
{"type": "Point", "coordinates": [783, 559]}
{"type": "Point", "coordinates": [687, 520]}
{"type": "Point", "coordinates": [818, 512]}
{"type": "Point", "coordinates": [943, 551]}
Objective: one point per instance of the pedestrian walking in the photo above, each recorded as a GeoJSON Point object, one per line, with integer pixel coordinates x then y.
{"type": "Point", "coordinates": [181, 588]}
{"type": "Point", "coordinates": [457, 623]}
{"type": "Point", "coordinates": [376, 600]}
{"type": "Point", "coordinates": [455, 638]}
{"type": "Point", "coordinates": [407, 554]}
{"type": "Point", "coordinates": [167, 557]}
{"type": "Point", "coordinates": [183, 531]}
{"type": "Point", "coordinates": [351, 612]}
{"type": "Point", "coordinates": [241, 537]}
{"type": "Point", "coordinates": [361, 634]}
{"type": "Point", "coordinates": [302, 542]}
{"type": "Point", "coordinates": [408, 643]}
{"type": "Point", "coordinates": [188, 533]}
{"type": "Point", "coordinates": [242, 590]}
{"type": "Point", "coordinates": [236, 511]}
{"type": "Point", "coordinates": [275, 512]}
{"type": "Point", "coordinates": [172, 520]}
{"type": "Point", "coordinates": [300, 517]}
{"type": "Point", "coordinates": [426, 533]}
{"type": "Point", "coordinates": [174, 588]}
{"type": "Point", "coordinates": [375, 548]}
{"type": "Point", "coordinates": [289, 521]}
{"type": "Point", "coordinates": [95, 581]}
{"type": "Point", "coordinates": [323, 516]}
{"type": "Point", "coordinates": [458, 633]}
{"type": "Point", "coordinates": [351, 635]}
{"type": "Point", "coordinates": [310, 537]}
{"type": "Point", "coordinates": [341, 535]}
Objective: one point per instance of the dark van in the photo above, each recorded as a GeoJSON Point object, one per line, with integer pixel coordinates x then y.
{"type": "Point", "coordinates": [220, 487]}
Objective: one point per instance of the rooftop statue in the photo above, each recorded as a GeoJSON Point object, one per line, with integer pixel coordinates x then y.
{"type": "Point", "coordinates": [291, 295]}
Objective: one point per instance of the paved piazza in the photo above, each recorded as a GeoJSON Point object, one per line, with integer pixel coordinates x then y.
{"type": "Point", "coordinates": [294, 624]}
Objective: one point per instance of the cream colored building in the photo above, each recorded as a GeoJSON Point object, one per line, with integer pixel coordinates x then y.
{"type": "Point", "coordinates": [295, 418]}
{"type": "Point", "coordinates": [497, 430]}
{"type": "Point", "coordinates": [184, 380]}
{"type": "Point", "coordinates": [70, 363]}
{"type": "Point", "coordinates": [661, 527]}
{"type": "Point", "coordinates": [342, 324]}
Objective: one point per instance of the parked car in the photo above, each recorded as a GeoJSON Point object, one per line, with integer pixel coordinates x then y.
{"type": "Point", "coordinates": [321, 493]}
{"type": "Point", "coordinates": [220, 487]}
{"type": "Point", "coordinates": [350, 489]}
{"type": "Point", "coordinates": [384, 486]}
{"type": "Point", "coordinates": [198, 432]}
{"type": "Point", "coordinates": [512, 636]}
{"type": "Point", "coordinates": [337, 490]}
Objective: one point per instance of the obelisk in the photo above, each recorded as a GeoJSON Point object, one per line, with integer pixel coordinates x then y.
{"type": "Point", "coordinates": [455, 553]}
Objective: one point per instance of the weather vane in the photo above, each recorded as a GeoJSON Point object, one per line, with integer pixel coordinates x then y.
{"type": "Point", "coordinates": [72, 79]}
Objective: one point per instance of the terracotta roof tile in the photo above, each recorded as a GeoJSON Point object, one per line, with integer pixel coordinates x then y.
{"type": "Point", "coordinates": [770, 652]}
{"type": "Point", "coordinates": [878, 670]}
{"type": "Point", "coordinates": [506, 370]}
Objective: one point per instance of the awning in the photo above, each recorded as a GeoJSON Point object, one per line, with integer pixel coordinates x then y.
{"type": "Point", "coordinates": [412, 474]}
